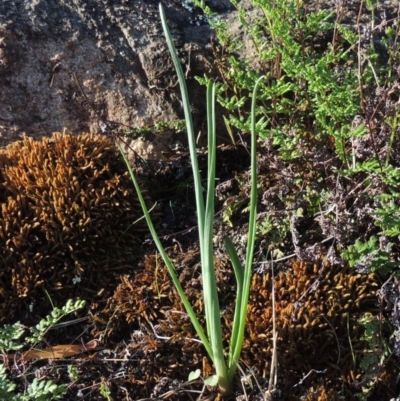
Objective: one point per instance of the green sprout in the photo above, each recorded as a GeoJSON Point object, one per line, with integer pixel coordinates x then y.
{"type": "Point", "coordinates": [213, 343]}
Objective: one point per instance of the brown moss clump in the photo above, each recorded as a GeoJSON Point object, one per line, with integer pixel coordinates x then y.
{"type": "Point", "coordinates": [67, 208]}
{"type": "Point", "coordinates": [317, 308]}
{"type": "Point", "coordinates": [320, 393]}
{"type": "Point", "coordinates": [150, 297]}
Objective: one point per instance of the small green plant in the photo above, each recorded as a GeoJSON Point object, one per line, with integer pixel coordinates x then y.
{"type": "Point", "coordinates": [40, 390]}
{"type": "Point", "coordinates": [373, 359]}
{"type": "Point", "coordinates": [44, 390]}
{"type": "Point", "coordinates": [39, 331]}
{"type": "Point", "coordinates": [7, 387]}
{"type": "Point", "coordinates": [73, 372]}
{"type": "Point", "coordinates": [11, 339]}
{"type": "Point", "coordinates": [275, 229]}
{"type": "Point", "coordinates": [225, 369]}
{"type": "Point", "coordinates": [10, 336]}
{"type": "Point", "coordinates": [105, 391]}
{"type": "Point", "coordinates": [367, 256]}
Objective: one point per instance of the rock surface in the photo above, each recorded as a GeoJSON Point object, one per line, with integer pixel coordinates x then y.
{"type": "Point", "coordinates": [88, 63]}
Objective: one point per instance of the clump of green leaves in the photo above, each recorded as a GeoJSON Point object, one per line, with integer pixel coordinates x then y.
{"type": "Point", "coordinates": [368, 256]}
{"type": "Point", "coordinates": [56, 315]}
{"type": "Point", "coordinates": [12, 339]}
{"type": "Point", "coordinates": [378, 253]}
{"type": "Point", "coordinates": [306, 103]}
{"type": "Point", "coordinates": [373, 358]}
{"type": "Point", "coordinates": [105, 391]}
{"type": "Point", "coordinates": [10, 336]}
{"type": "Point", "coordinates": [73, 372]}
{"type": "Point", "coordinates": [309, 90]}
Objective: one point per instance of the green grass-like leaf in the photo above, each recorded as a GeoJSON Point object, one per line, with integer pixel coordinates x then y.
{"type": "Point", "coordinates": [225, 369]}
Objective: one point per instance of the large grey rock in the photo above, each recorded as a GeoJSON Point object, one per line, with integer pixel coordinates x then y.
{"type": "Point", "coordinates": [115, 50]}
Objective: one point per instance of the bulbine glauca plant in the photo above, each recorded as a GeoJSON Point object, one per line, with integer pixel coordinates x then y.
{"type": "Point", "coordinates": [212, 336]}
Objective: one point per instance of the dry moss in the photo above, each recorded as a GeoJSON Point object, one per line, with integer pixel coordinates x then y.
{"type": "Point", "coordinates": [67, 206]}
{"type": "Point", "coordinates": [316, 311]}
{"type": "Point", "coordinates": [317, 308]}
{"type": "Point", "coordinates": [320, 393]}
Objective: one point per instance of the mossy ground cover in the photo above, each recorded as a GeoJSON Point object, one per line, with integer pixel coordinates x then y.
{"type": "Point", "coordinates": [66, 207]}
{"type": "Point", "coordinates": [149, 345]}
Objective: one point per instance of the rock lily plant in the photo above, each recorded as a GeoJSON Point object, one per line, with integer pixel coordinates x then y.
{"type": "Point", "coordinates": [212, 341]}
